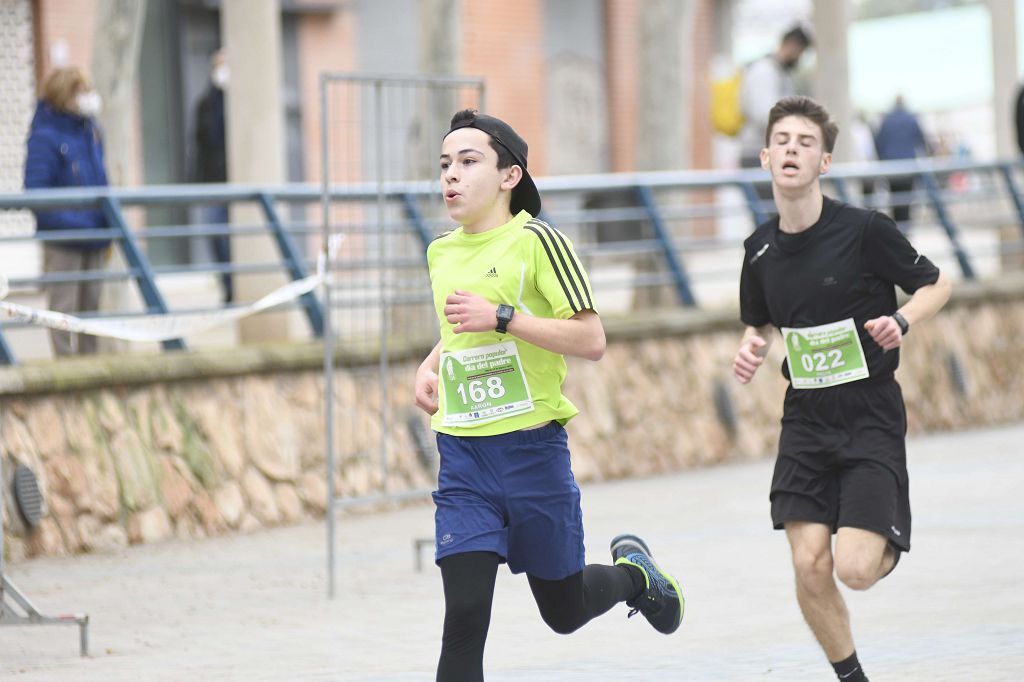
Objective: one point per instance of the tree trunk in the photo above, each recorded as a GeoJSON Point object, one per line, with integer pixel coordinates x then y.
{"type": "Point", "coordinates": [665, 61]}
{"type": "Point", "coordinates": [115, 59]}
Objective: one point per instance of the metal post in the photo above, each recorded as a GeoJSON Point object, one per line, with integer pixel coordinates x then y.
{"type": "Point", "coordinates": [325, 208]}
{"type": "Point", "coordinates": [385, 281]}
{"type": "Point", "coordinates": [292, 260]}
{"type": "Point", "coordinates": [415, 216]}
{"type": "Point", "coordinates": [675, 265]}
{"type": "Point", "coordinates": [6, 354]}
{"type": "Point", "coordinates": [841, 191]}
{"type": "Point", "coordinates": [753, 202]}
{"type": "Point", "coordinates": [133, 254]}
{"type": "Point", "coordinates": [3, 486]}
{"type": "Point", "coordinates": [935, 195]}
{"type": "Point", "coordinates": [1011, 185]}
{"type": "Point", "coordinates": [29, 614]}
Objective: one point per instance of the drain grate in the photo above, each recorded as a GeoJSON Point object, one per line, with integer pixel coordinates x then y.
{"type": "Point", "coordinates": [27, 495]}
{"type": "Point", "coordinates": [724, 407]}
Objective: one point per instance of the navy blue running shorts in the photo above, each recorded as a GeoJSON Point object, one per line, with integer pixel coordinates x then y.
{"type": "Point", "coordinates": [842, 460]}
{"type": "Point", "coordinates": [512, 494]}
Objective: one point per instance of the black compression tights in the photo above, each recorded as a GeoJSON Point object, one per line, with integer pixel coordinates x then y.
{"type": "Point", "coordinates": [565, 605]}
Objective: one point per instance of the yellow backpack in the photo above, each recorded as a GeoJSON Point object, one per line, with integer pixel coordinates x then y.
{"type": "Point", "coordinates": [726, 114]}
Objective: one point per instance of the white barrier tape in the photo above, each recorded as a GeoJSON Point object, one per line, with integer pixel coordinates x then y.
{"type": "Point", "coordinates": [328, 253]}
{"type": "Point", "coordinates": [153, 327]}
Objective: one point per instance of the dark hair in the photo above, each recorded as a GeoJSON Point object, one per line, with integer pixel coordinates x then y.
{"type": "Point", "coordinates": [805, 107]}
{"type": "Point", "coordinates": [505, 158]}
{"type": "Point", "coordinates": [798, 34]}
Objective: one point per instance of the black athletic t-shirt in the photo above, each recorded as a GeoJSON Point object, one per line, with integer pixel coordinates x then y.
{"type": "Point", "coordinates": [846, 265]}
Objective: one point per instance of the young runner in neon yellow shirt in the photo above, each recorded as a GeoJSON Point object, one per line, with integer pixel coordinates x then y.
{"type": "Point", "coordinates": [512, 299]}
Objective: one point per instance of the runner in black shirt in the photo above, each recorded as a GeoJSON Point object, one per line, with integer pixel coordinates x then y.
{"type": "Point", "coordinates": [824, 274]}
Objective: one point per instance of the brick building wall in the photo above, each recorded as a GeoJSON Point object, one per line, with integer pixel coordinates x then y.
{"type": "Point", "coordinates": [504, 42]}
{"type": "Point", "coordinates": [621, 46]}
{"type": "Point", "coordinates": [703, 49]}
{"type": "Point", "coordinates": [326, 45]}
{"type": "Point", "coordinates": [65, 33]}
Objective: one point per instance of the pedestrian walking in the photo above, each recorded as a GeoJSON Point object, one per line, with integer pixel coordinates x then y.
{"type": "Point", "coordinates": [900, 137]}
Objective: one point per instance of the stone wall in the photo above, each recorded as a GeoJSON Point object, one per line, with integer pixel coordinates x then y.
{"type": "Point", "coordinates": [140, 449]}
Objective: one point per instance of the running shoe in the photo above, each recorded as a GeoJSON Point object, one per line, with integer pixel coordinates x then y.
{"type": "Point", "coordinates": [661, 601]}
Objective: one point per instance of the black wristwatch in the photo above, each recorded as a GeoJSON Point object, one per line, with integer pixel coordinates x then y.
{"type": "Point", "coordinates": [504, 314]}
{"type": "Point", "coordinates": [902, 322]}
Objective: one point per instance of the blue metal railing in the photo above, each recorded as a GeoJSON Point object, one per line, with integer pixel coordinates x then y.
{"type": "Point", "coordinates": [647, 201]}
{"type": "Point", "coordinates": [112, 202]}
{"type": "Point", "coordinates": [145, 277]}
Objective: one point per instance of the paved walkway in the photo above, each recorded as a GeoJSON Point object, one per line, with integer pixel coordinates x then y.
{"type": "Point", "coordinates": [254, 608]}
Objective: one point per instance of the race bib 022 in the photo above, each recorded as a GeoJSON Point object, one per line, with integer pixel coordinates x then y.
{"type": "Point", "coordinates": [826, 355]}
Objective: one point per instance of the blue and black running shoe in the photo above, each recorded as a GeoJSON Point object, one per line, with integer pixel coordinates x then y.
{"type": "Point", "coordinates": [661, 601]}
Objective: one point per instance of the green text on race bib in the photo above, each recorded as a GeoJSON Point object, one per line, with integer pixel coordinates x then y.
{"type": "Point", "coordinates": [826, 355]}
{"type": "Point", "coordinates": [483, 384]}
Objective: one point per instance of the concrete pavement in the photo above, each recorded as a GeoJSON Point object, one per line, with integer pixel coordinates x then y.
{"type": "Point", "coordinates": [254, 608]}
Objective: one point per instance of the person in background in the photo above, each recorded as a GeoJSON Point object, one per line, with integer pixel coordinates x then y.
{"type": "Point", "coordinates": [65, 149]}
{"type": "Point", "coordinates": [766, 81]}
{"type": "Point", "coordinates": [900, 136]}
{"type": "Point", "coordinates": [211, 157]}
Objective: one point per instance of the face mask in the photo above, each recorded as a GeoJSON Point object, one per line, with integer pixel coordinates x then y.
{"type": "Point", "coordinates": [220, 75]}
{"type": "Point", "coordinates": [89, 104]}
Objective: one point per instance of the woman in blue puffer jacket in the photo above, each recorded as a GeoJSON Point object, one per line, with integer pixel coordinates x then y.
{"type": "Point", "coordinates": [65, 150]}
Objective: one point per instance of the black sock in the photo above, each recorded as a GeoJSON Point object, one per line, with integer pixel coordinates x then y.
{"type": "Point", "coordinates": [849, 670]}
{"type": "Point", "coordinates": [638, 578]}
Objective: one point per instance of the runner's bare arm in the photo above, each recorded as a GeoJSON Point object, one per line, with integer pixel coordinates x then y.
{"type": "Point", "coordinates": [425, 391]}
{"type": "Point", "coordinates": [923, 305]}
{"type": "Point", "coordinates": [581, 335]}
{"type": "Point", "coordinates": [753, 347]}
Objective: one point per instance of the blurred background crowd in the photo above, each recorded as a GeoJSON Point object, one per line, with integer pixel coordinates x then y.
{"type": "Point", "coordinates": [157, 92]}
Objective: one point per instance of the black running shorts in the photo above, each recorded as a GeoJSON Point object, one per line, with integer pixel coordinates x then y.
{"type": "Point", "coordinates": [842, 460]}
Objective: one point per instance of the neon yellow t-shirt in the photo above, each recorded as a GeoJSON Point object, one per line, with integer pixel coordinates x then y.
{"type": "Point", "coordinates": [491, 383]}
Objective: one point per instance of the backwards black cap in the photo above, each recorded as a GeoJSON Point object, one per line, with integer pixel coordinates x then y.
{"type": "Point", "coordinates": [525, 196]}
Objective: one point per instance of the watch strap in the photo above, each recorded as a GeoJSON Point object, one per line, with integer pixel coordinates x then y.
{"type": "Point", "coordinates": [504, 315]}
{"type": "Point", "coordinates": [902, 322]}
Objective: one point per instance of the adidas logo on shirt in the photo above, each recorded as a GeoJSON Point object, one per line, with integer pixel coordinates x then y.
{"type": "Point", "coordinates": [493, 272]}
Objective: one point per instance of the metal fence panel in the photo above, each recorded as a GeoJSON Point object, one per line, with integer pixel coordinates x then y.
{"type": "Point", "coordinates": [379, 130]}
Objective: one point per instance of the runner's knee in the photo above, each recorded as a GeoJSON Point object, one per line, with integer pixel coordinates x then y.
{"type": "Point", "coordinates": [466, 617]}
{"type": "Point", "coordinates": [561, 603]}
{"type": "Point", "coordinates": [813, 569]}
{"type": "Point", "coordinates": [561, 621]}
{"type": "Point", "coordinates": [858, 572]}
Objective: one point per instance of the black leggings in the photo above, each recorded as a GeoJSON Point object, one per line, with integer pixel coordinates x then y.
{"type": "Point", "coordinates": [565, 605]}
